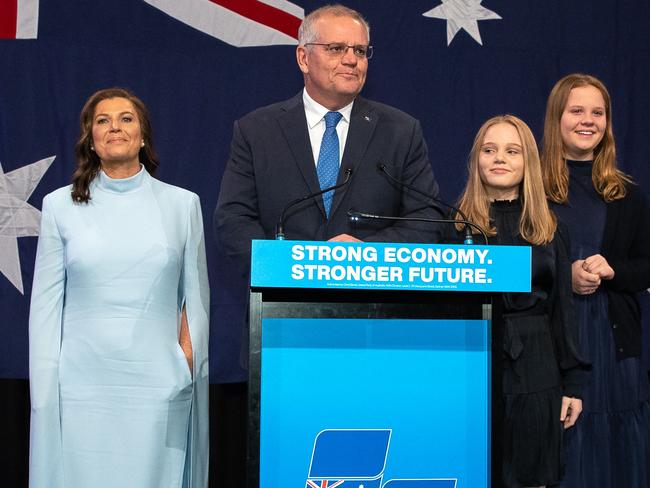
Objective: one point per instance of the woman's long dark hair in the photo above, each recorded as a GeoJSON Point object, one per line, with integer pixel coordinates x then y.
{"type": "Point", "coordinates": [88, 163]}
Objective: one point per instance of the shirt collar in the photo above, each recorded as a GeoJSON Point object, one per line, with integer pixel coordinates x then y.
{"type": "Point", "coordinates": [315, 112]}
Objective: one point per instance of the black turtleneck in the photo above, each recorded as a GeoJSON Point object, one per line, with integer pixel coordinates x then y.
{"type": "Point", "coordinates": [550, 292]}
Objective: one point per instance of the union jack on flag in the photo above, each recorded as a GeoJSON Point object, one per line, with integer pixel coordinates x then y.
{"type": "Point", "coordinates": [241, 23]}
{"type": "Point", "coordinates": [357, 483]}
{"type": "Point", "coordinates": [324, 484]}
{"type": "Point", "coordinates": [18, 19]}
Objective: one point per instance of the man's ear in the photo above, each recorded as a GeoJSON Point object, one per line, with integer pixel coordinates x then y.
{"type": "Point", "coordinates": [301, 58]}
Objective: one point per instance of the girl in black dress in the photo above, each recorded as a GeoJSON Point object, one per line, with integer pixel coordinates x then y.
{"type": "Point", "coordinates": [608, 220]}
{"type": "Point", "coordinates": [541, 376]}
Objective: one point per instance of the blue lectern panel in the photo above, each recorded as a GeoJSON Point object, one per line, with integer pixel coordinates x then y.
{"type": "Point", "coordinates": [401, 400]}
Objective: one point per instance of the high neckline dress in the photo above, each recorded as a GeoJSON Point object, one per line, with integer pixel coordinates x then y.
{"type": "Point", "coordinates": [113, 401]}
{"type": "Point", "coordinates": [607, 445]}
{"type": "Point", "coordinates": [540, 362]}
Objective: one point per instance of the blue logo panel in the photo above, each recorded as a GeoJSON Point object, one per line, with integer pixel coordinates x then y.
{"type": "Point", "coordinates": [359, 454]}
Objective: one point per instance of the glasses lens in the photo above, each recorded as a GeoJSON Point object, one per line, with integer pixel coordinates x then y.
{"type": "Point", "coordinates": [340, 48]}
{"type": "Point", "coordinates": [360, 51]}
{"type": "Point", "coordinates": [336, 48]}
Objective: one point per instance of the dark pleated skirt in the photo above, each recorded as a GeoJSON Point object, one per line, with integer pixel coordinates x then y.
{"type": "Point", "coordinates": [610, 445]}
{"type": "Point", "coordinates": [532, 439]}
{"type": "Point", "coordinates": [532, 431]}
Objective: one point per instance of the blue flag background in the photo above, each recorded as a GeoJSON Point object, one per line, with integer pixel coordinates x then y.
{"type": "Point", "coordinates": [196, 86]}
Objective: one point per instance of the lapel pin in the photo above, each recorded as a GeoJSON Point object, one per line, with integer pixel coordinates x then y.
{"type": "Point", "coordinates": [366, 118]}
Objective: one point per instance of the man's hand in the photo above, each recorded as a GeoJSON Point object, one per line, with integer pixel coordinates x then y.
{"type": "Point", "coordinates": [344, 238]}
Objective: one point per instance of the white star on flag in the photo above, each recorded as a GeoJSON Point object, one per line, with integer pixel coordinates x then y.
{"type": "Point", "coordinates": [462, 14]}
{"type": "Point", "coordinates": [17, 217]}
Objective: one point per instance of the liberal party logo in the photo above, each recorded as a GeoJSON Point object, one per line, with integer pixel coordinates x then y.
{"type": "Point", "coordinates": [356, 458]}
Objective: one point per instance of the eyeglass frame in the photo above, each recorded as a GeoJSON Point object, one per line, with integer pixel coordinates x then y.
{"type": "Point", "coordinates": [368, 55]}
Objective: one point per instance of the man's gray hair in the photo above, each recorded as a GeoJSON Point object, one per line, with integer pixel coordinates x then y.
{"type": "Point", "coordinates": [307, 32]}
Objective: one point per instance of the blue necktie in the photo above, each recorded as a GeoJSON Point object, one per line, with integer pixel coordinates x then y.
{"type": "Point", "coordinates": [328, 158]}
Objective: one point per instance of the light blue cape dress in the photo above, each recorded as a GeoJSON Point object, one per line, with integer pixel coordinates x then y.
{"type": "Point", "coordinates": [113, 401]}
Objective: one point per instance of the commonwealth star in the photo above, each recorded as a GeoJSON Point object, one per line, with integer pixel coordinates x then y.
{"type": "Point", "coordinates": [462, 14]}
{"type": "Point", "coordinates": [17, 217]}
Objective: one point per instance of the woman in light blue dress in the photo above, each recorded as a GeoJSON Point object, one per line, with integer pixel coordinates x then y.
{"type": "Point", "coordinates": [119, 317]}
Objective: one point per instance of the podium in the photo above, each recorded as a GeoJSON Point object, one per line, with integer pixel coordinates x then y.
{"type": "Point", "coordinates": [370, 363]}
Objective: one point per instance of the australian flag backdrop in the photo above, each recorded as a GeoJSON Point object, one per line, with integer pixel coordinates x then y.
{"type": "Point", "coordinates": [201, 64]}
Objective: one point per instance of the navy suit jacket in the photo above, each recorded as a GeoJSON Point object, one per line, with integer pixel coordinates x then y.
{"type": "Point", "coordinates": [271, 163]}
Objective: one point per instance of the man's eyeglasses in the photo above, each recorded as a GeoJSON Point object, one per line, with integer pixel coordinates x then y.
{"type": "Point", "coordinates": [340, 48]}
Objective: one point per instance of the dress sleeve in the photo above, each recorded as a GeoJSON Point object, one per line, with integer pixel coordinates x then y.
{"type": "Point", "coordinates": [563, 320]}
{"type": "Point", "coordinates": [632, 270]}
{"type": "Point", "coordinates": [195, 294]}
{"type": "Point", "coordinates": [45, 316]}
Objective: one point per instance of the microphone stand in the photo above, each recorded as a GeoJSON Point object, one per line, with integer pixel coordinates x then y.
{"type": "Point", "coordinates": [355, 216]}
{"type": "Point", "coordinates": [469, 239]}
{"type": "Point", "coordinates": [279, 228]}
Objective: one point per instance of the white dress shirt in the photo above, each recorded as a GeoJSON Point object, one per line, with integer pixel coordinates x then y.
{"type": "Point", "coordinates": [315, 114]}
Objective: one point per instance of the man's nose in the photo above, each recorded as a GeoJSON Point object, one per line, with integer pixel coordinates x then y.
{"type": "Point", "coordinates": [348, 56]}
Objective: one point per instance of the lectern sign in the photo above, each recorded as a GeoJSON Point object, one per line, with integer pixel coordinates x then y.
{"type": "Point", "coordinates": [309, 264]}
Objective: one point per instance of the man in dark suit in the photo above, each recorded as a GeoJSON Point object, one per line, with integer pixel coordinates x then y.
{"type": "Point", "coordinates": [288, 150]}
{"type": "Point", "coordinates": [279, 153]}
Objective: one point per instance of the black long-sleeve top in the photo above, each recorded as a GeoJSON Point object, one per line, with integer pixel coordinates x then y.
{"type": "Point", "coordinates": [550, 295]}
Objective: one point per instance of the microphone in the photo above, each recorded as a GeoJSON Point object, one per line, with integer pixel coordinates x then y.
{"type": "Point", "coordinates": [469, 239]}
{"type": "Point", "coordinates": [355, 217]}
{"type": "Point", "coordinates": [279, 228]}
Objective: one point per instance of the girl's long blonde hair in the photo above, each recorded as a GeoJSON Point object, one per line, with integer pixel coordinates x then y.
{"type": "Point", "coordinates": [537, 223]}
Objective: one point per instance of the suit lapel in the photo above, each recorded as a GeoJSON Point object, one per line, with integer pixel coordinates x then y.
{"type": "Point", "coordinates": [363, 121]}
{"type": "Point", "coordinates": [293, 123]}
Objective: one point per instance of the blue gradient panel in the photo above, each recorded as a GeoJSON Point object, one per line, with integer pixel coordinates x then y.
{"type": "Point", "coordinates": [425, 381]}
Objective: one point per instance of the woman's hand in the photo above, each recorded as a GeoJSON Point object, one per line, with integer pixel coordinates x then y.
{"type": "Point", "coordinates": [570, 411]}
{"type": "Point", "coordinates": [185, 340]}
{"type": "Point", "coordinates": [583, 282]}
{"type": "Point", "coordinates": [597, 264]}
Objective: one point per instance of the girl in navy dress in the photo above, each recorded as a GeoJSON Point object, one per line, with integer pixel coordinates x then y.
{"type": "Point", "coordinates": [609, 225]}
